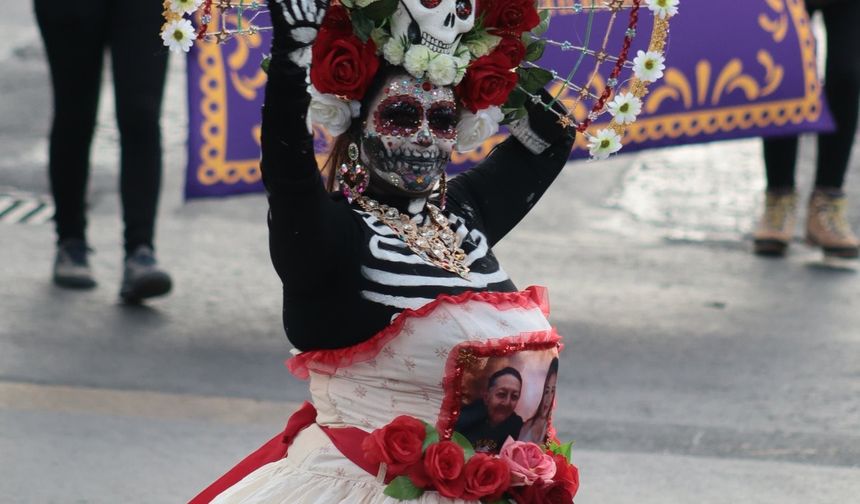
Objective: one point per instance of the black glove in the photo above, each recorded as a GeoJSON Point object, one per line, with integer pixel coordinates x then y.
{"type": "Point", "coordinates": [295, 25]}
{"type": "Point", "coordinates": [541, 127]}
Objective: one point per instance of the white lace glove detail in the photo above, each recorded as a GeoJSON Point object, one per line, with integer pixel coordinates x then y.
{"type": "Point", "coordinates": [296, 25]}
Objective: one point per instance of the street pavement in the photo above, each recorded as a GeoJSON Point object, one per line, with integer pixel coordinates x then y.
{"type": "Point", "coordinates": [693, 371]}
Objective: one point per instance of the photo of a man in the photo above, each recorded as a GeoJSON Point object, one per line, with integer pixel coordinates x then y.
{"type": "Point", "coordinates": [488, 421]}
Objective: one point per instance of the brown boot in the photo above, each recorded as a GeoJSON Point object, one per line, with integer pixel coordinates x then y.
{"type": "Point", "coordinates": [827, 227]}
{"type": "Point", "coordinates": [776, 227]}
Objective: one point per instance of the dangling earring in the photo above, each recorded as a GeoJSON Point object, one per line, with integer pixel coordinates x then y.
{"type": "Point", "coordinates": [351, 176]}
{"type": "Point", "coordinates": [443, 191]}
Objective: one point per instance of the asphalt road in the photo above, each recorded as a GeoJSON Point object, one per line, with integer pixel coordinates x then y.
{"type": "Point", "coordinates": [694, 372]}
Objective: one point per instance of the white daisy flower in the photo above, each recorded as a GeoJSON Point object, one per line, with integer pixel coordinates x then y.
{"type": "Point", "coordinates": [648, 66]}
{"type": "Point", "coordinates": [663, 8]}
{"type": "Point", "coordinates": [604, 143]}
{"type": "Point", "coordinates": [625, 107]}
{"type": "Point", "coordinates": [185, 6]}
{"type": "Point", "coordinates": [179, 35]}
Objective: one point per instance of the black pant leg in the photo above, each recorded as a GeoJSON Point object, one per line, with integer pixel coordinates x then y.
{"type": "Point", "coordinates": [780, 159]}
{"type": "Point", "coordinates": [842, 88]}
{"type": "Point", "coordinates": [74, 37]}
{"type": "Point", "coordinates": [139, 66]}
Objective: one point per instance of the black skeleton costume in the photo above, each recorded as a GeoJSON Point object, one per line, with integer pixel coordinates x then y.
{"type": "Point", "coordinates": [379, 327]}
{"type": "Point", "coordinates": [339, 264]}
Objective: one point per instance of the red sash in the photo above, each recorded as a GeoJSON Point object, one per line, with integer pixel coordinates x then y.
{"type": "Point", "coordinates": [347, 440]}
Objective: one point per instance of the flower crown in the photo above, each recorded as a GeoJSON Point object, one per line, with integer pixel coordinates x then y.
{"type": "Point", "coordinates": [438, 42]}
{"type": "Point", "coordinates": [486, 50]}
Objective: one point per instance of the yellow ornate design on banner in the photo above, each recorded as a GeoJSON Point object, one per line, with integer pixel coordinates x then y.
{"type": "Point", "coordinates": [731, 78]}
{"type": "Point", "coordinates": [215, 166]}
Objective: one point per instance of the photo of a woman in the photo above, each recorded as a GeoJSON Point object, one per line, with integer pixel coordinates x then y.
{"type": "Point", "coordinates": [535, 428]}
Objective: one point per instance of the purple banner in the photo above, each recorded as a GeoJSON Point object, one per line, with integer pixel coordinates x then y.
{"type": "Point", "coordinates": [736, 68]}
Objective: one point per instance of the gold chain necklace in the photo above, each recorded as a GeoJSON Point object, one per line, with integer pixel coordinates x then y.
{"type": "Point", "coordinates": [434, 242]}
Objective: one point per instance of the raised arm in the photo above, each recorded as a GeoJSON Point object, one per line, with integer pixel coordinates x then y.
{"type": "Point", "coordinates": [506, 185]}
{"type": "Point", "coordinates": [306, 227]}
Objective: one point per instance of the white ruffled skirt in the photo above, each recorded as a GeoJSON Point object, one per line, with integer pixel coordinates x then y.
{"type": "Point", "coordinates": [315, 472]}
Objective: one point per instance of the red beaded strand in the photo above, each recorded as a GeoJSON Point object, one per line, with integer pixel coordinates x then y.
{"type": "Point", "coordinates": [207, 15]}
{"type": "Point", "coordinates": [616, 71]}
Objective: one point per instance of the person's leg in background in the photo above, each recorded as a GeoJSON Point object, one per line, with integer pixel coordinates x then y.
{"type": "Point", "coordinates": [827, 225]}
{"type": "Point", "coordinates": [74, 35]}
{"type": "Point", "coordinates": [776, 226]}
{"type": "Point", "coordinates": [139, 67]}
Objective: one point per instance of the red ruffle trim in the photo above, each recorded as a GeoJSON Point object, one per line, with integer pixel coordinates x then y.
{"type": "Point", "coordinates": [329, 361]}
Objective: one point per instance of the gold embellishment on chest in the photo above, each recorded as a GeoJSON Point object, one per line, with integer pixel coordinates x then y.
{"type": "Point", "coordinates": [434, 242]}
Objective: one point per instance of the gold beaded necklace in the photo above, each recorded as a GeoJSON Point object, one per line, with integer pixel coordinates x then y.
{"type": "Point", "coordinates": [433, 242]}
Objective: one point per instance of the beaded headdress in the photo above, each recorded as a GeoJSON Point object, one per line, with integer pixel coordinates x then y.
{"type": "Point", "coordinates": [487, 50]}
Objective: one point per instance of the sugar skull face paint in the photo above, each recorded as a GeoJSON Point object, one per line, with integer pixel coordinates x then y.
{"type": "Point", "coordinates": [410, 133]}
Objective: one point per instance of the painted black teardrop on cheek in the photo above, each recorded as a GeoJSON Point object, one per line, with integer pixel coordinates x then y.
{"type": "Point", "coordinates": [414, 33]}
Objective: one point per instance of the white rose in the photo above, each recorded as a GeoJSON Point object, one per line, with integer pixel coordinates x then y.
{"type": "Point", "coordinates": [484, 45]}
{"type": "Point", "coordinates": [330, 112]}
{"type": "Point", "coordinates": [474, 129]}
{"type": "Point", "coordinates": [416, 60]}
{"type": "Point", "coordinates": [442, 70]}
{"type": "Point", "coordinates": [393, 51]}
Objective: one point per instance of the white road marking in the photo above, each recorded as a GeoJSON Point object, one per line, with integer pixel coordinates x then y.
{"type": "Point", "coordinates": [141, 404]}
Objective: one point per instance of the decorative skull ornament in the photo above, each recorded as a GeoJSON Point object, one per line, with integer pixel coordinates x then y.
{"type": "Point", "coordinates": [437, 24]}
{"type": "Point", "coordinates": [410, 132]}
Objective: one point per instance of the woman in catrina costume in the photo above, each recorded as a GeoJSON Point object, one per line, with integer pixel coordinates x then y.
{"type": "Point", "coordinates": [393, 297]}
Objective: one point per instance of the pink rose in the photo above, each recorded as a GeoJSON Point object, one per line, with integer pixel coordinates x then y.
{"type": "Point", "coordinates": [528, 462]}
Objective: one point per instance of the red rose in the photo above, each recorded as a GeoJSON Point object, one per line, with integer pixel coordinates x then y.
{"type": "Point", "coordinates": [341, 64]}
{"type": "Point", "coordinates": [486, 476]}
{"type": "Point", "coordinates": [337, 20]}
{"type": "Point", "coordinates": [566, 473]}
{"type": "Point", "coordinates": [556, 493]}
{"type": "Point", "coordinates": [488, 81]}
{"type": "Point", "coordinates": [509, 16]}
{"type": "Point", "coordinates": [541, 493]}
{"type": "Point", "coordinates": [513, 49]}
{"type": "Point", "coordinates": [398, 444]}
{"type": "Point", "coordinates": [443, 465]}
